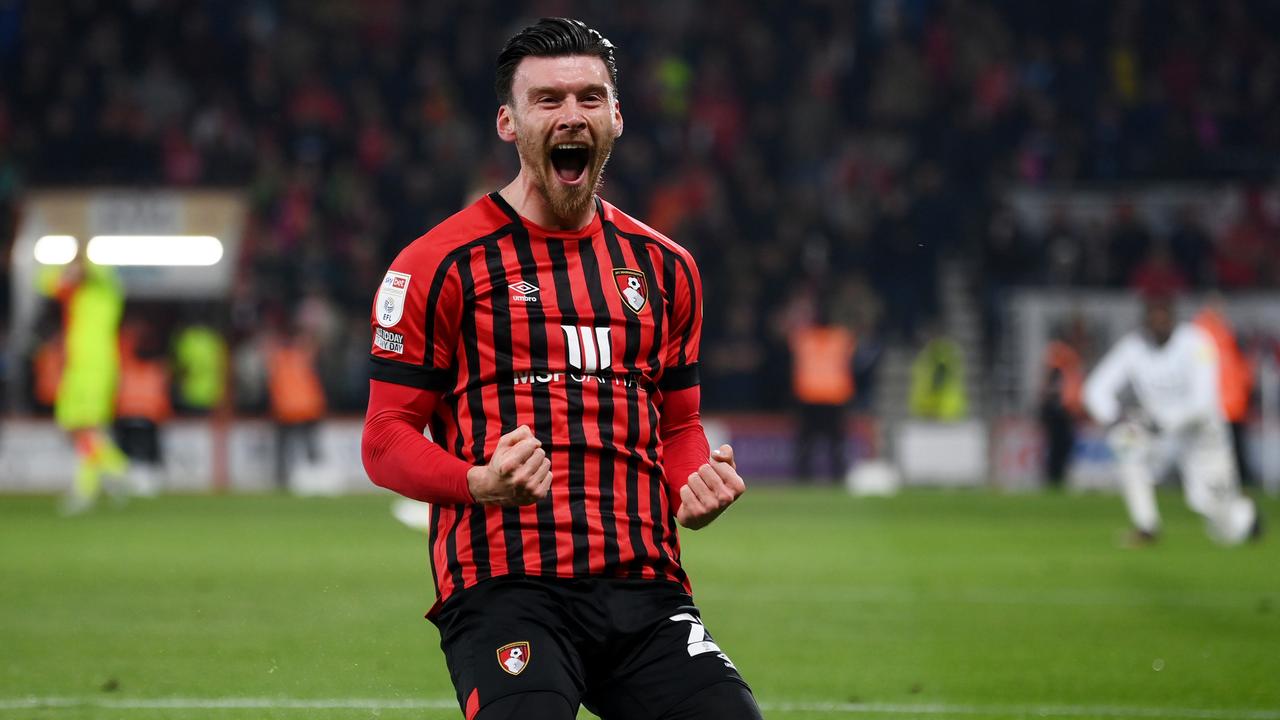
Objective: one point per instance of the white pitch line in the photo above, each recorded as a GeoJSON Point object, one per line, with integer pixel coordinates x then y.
{"type": "Point", "coordinates": [229, 703]}
{"type": "Point", "coordinates": [1067, 598]}
{"type": "Point", "coordinates": [280, 704]}
{"type": "Point", "coordinates": [1033, 711]}
{"type": "Point", "coordinates": [827, 708]}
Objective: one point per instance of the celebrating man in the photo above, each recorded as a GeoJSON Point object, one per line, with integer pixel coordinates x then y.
{"type": "Point", "coordinates": [1171, 371]}
{"type": "Point", "coordinates": [551, 344]}
{"type": "Point", "coordinates": [92, 303]}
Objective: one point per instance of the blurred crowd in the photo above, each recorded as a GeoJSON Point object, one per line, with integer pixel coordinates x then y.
{"type": "Point", "coordinates": [811, 154]}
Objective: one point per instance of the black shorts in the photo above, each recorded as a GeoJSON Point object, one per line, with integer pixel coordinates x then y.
{"type": "Point", "coordinates": [139, 438]}
{"type": "Point", "coordinates": [626, 649]}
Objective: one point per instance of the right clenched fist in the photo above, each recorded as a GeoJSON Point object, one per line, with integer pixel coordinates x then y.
{"type": "Point", "coordinates": [519, 473]}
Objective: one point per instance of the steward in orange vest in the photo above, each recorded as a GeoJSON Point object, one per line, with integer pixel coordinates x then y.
{"type": "Point", "coordinates": [143, 404]}
{"type": "Point", "coordinates": [1235, 381]}
{"type": "Point", "coordinates": [822, 381]}
{"type": "Point", "coordinates": [297, 401]}
{"type": "Point", "coordinates": [1061, 406]}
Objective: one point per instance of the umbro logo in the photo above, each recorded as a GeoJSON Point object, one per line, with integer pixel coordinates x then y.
{"type": "Point", "coordinates": [524, 292]}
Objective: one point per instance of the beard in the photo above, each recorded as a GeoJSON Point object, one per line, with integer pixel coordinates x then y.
{"type": "Point", "coordinates": [565, 201]}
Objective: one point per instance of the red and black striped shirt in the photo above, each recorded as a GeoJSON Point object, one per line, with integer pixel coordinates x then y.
{"type": "Point", "coordinates": [574, 334]}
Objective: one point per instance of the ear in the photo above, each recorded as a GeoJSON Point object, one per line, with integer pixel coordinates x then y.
{"type": "Point", "coordinates": [506, 124]}
{"type": "Point", "coordinates": [617, 119]}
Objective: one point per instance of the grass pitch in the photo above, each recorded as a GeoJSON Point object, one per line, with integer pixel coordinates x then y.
{"type": "Point", "coordinates": [933, 604]}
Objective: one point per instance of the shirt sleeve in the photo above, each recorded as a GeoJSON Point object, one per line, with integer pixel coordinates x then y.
{"type": "Point", "coordinates": [684, 340]}
{"type": "Point", "coordinates": [396, 454]}
{"type": "Point", "coordinates": [415, 320]}
{"type": "Point", "coordinates": [1108, 379]}
{"type": "Point", "coordinates": [684, 442]}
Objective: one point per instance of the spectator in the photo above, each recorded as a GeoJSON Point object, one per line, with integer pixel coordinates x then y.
{"type": "Point", "coordinates": [732, 362]}
{"type": "Point", "coordinates": [1246, 247]}
{"type": "Point", "coordinates": [297, 400]}
{"type": "Point", "coordinates": [1009, 262]}
{"type": "Point", "coordinates": [822, 379]}
{"type": "Point", "coordinates": [1128, 243]}
{"type": "Point", "coordinates": [142, 405]}
{"type": "Point", "coordinates": [938, 382]}
{"type": "Point", "coordinates": [200, 365]}
{"type": "Point", "coordinates": [92, 300]}
{"type": "Point", "coordinates": [1063, 251]}
{"type": "Point", "coordinates": [1235, 380]}
{"type": "Point", "coordinates": [1061, 404]}
{"type": "Point", "coordinates": [1157, 274]}
{"type": "Point", "coordinates": [1191, 248]}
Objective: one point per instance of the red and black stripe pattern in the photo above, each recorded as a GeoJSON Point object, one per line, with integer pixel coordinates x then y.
{"type": "Point", "coordinates": [574, 334]}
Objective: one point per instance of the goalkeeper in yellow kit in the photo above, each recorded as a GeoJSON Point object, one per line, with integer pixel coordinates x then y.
{"type": "Point", "coordinates": [92, 302]}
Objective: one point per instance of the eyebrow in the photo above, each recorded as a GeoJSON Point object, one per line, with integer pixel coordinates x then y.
{"type": "Point", "coordinates": [584, 90]}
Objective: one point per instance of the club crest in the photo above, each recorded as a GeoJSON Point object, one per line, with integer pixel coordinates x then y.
{"type": "Point", "coordinates": [632, 287]}
{"type": "Point", "coordinates": [514, 658]}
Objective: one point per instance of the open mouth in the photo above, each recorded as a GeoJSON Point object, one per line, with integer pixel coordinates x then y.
{"type": "Point", "coordinates": [570, 161]}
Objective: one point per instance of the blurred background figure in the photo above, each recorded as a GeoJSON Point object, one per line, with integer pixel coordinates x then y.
{"type": "Point", "coordinates": [297, 399]}
{"type": "Point", "coordinates": [1061, 404]}
{"type": "Point", "coordinates": [46, 371]}
{"type": "Point", "coordinates": [200, 364]}
{"type": "Point", "coordinates": [822, 378]}
{"type": "Point", "coordinates": [143, 405]}
{"type": "Point", "coordinates": [1176, 417]}
{"type": "Point", "coordinates": [1235, 379]}
{"type": "Point", "coordinates": [938, 381]}
{"type": "Point", "coordinates": [92, 303]}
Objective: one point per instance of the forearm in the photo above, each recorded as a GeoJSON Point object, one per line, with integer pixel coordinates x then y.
{"type": "Point", "coordinates": [399, 458]}
{"type": "Point", "coordinates": [1102, 388]}
{"type": "Point", "coordinates": [684, 441]}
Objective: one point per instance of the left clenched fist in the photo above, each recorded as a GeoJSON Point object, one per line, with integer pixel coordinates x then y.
{"type": "Point", "coordinates": [710, 490]}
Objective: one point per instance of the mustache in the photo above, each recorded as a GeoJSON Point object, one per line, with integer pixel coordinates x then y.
{"type": "Point", "coordinates": [583, 138]}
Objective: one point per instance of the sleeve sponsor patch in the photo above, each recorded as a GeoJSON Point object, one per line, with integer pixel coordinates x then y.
{"type": "Point", "coordinates": [389, 341]}
{"type": "Point", "coordinates": [391, 299]}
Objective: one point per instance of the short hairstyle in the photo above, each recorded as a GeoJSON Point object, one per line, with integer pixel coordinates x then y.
{"type": "Point", "coordinates": [551, 37]}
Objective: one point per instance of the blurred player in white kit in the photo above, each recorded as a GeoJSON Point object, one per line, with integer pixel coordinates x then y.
{"type": "Point", "coordinates": [1172, 371]}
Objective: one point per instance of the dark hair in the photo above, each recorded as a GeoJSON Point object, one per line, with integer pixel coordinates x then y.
{"type": "Point", "coordinates": [551, 37]}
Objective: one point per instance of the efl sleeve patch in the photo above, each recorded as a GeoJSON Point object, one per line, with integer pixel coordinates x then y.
{"type": "Point", "coordinates": [389, 307]}
{"type": "Point", "coordinates": [414, 322]}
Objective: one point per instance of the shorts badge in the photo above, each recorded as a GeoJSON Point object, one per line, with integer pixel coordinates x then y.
{"type": "Point", "coordinates": [632, 287]}
{"type": "Point", "coordinates": [391, 295]}
{"type": "Point", "coordinates": [514, 658]}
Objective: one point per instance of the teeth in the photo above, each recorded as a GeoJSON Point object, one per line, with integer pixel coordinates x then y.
{"type": "Point", "coordinates": [569, 146]}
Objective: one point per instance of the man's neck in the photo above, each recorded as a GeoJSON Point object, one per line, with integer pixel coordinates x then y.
{"type": "Point", "coordinates": [532, 205]}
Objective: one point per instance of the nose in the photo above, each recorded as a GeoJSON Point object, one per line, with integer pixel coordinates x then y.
{"type": "Point", "coordinates": [572, 120]}
{"type": "Point", "coordinates": [572, 124]}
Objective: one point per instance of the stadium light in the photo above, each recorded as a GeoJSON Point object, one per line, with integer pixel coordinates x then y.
{"type": "Point", "coordinates": [56, 249]}
{"type": "Point", "coordinates": [194, 250]}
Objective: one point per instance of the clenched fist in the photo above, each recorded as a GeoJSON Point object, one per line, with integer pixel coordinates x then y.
{"type": "Point", "coordinates": [710, 490]}
{"type": "Point", "coordinates": [519, 473]}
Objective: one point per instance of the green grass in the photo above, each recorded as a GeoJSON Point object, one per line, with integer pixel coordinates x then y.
{"type": "Point", "coordinates": [926, 605]}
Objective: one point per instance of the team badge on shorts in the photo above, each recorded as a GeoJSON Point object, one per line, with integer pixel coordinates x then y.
{"type": "Point", "coordinates": [514, 658]}
{"type": "Point", "coordinates": [632, 287]}
{"type": "Point", "coordinates": [391, 295]}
